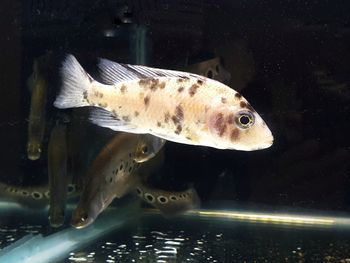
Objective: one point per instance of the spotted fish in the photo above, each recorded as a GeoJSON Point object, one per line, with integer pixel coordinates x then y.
{"type": "Point", "coordinates": [173, 105]}
{"type": "Point", "coordinates": [36, 123]}
{"type": "Point", "coordinates": [116, 171]}
{"type": "Point", "coordinates": [31, 196]}
{"type": "Point", "coordinates": [169, 203]}
{"type": "Point", "coordinates": [57, 171]}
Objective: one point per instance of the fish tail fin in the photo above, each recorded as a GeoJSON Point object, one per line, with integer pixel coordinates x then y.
{"type": "Point", "coordinates": [75, 84]}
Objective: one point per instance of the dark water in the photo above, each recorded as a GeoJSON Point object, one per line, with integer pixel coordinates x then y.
{"type": "Point", "coordinates": [290, 59]}
{"type": "Point", "coordinates": [153, 239]}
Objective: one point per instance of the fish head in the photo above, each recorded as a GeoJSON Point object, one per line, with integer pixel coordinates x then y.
{"type": "Point", "coordinates": [148, 146]}
{"type": "Point", "coordinates": [85, 214]}
{"type": "Point", "coordinates": [56, 216]}
{"type": "Point", "coordinates": [238, 126]}
{"type": "Point", "coordinates": [34, 150]}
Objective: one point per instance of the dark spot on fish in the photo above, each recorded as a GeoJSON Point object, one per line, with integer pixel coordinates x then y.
{"type": "Point", "coordinates": [138, 191]}
{"type": "Point", "coordinates": [149, 197]}
{"type": "Point", "coordinates": [193, 89]}
{"type": "Point", "coordinates": [188, 138]}
{"type": "Point", "coordinates": [119, 107]}
{"type": "Point", "coordinates": [159, 123]}
{"type": "Point", "coordinates": [154, 84]}
{"type": "Point", "coordinates": [223, 100]}
{"type": "Point", "coordinates": [123, 89]}
{"type": "Point", "coordinates": [126, 118]}
{"type": "Point", "coordinates": [150, 83]}
{"type": "Point", "coordinates": [199, 81]}
{"type": "Point", "coordinates": [121, 167]}
{"type": "Point", "coordinates": [179, 80]}
{"type": "Point", "coordinates": [71, 188]}
{"type": "Point", "coordinates": [143, 82]}
{"type": "Point", "coordinates": [25, 193]}
{"type": "Point", "coordinates": [243, 104]}
{"type": "Point", "coordinates": [174, 119]}
{"type": "Point", "coordinates": [179, 113]}
{"type": "Point", "coordinates": [146, 101]}
{"type": "Point", "coordinates": [110, 180]}
{"type": "Point", "coordinates": [36, 195]}
{"type": "Point", "coordinates": [238, 96]}
{"type": "Point", "coordinates": [85, 94]}
{"type": "Point", "coordinates": [130, 168]}
{"type": "Point", "coordinates": [234, 134]}
{"type": "Point", "coordinates": [231, 118]}
{"type": "Point", "coordinates": [178, 129]}
{"type": "Point", "coordinates": [102, 105]}
{"type": "Point", "coordinates": [162, 199]}
{"type": "Point", "coordinates": [181, 89]}
{"type": "Point", "coordinates": [219, 124]}
{"type": "Point", "coordinates": [166, 117]}
{"type": "Point", "coordinates": [114, 113]}
{"type": "Point", "coordinates": [136, 113]}
{"type": "Point", "coordinates": [98, 94]}
{"type": "Point", "coordinates": [162, 85]}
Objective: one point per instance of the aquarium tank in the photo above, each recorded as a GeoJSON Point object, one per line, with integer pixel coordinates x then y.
{"type": "Point", "coordinates": [174, 131]}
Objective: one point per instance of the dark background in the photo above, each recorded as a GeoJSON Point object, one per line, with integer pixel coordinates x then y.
{"type": "Point", "coordinates": [290, 59]}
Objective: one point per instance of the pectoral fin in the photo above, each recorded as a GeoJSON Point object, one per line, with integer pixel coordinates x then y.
{"type": "Point", "coordinates": [106, 119]}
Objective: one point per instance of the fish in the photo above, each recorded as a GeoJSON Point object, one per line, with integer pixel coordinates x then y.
{"type": "Point", "coordinates": [169, 203]}
{"type": "Point", "coordinates": [176, 106]}
{"type": "Point", "coordinates": [121, 168]}
{"type": "Point", "coordinates": [212, 68]}
{"type": "Point", "coordinates": [36, 124]}
{"type": "Point", "coordinates": [34, 196]}
{"type": "Point", "coordinates": [57, 171]}
{"type": "Point", "coordinates": [108, 176]}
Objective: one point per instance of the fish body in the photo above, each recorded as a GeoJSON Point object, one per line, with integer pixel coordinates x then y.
{"type": "Point", "coordinates": [32, 196]}
{"type": "Point", "coordinates": [36, 125]}
{"type": "Point", "coordinates": [173, 105]}
{"type": "Point", "coordinates": [111, 174]}
{"type": "Point", "coordinates": [169, 203]}
{"type": "Point", "coordinates": [123, 167]}
{"type": "Point", "coordinates": [57, 171]}
{"type": "Point", "coordinates": [212, 68]}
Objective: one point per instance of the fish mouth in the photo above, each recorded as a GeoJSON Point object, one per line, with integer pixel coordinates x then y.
{"type": "Point", "coordinates": [266, 143]}
{"type": "Point", "coordinates": [254, 147]}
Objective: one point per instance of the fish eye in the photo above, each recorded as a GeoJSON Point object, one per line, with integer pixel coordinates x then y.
{"type": "Point", "coordinates": [144, 149]}
{"type": "Point", "coordinates": [84, 217]}
{"type": "Point", "coordinates": [245, 119]}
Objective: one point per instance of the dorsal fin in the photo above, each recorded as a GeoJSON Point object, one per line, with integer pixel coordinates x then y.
{"type": "Point", "coordinates": [113, 72]}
